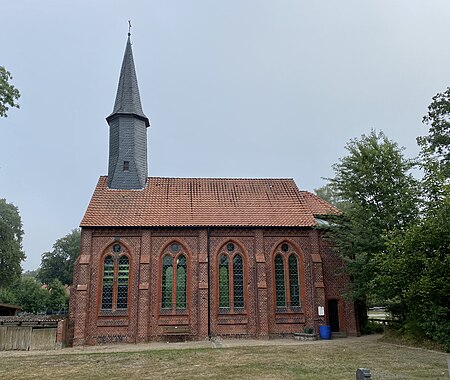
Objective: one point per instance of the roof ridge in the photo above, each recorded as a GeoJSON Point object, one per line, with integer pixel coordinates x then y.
{"type": "Point", "coordinates": [227, 178]}
{"type": "Point", "coordinates": [223, 178]}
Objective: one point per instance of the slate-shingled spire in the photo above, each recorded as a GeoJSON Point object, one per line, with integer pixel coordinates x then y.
{"type": "Point", "coordinates": [128, 131]}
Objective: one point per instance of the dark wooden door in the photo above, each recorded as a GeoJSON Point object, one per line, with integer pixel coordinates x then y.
{"type": "Point", "coordinates": [333, 315]}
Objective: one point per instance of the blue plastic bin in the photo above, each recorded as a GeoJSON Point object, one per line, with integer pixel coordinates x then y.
{"type": "Point", "coordinates": [325, 332]}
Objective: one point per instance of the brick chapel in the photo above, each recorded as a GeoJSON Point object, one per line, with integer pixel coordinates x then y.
{"type": "Point", "coordinates": [198, 257]}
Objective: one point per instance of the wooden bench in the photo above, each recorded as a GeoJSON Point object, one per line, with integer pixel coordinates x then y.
{"type": "Point", "coordinates": [176, 330]}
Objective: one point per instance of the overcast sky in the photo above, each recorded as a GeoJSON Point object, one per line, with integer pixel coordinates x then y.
{"type": "Point", "coordinates": [233, 88]}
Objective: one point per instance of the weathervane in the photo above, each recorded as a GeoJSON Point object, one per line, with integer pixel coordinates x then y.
{"type": "Point", "coordinates": [129, 28]}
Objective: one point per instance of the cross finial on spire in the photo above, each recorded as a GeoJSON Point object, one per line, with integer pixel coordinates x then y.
{"type": "Point", "coordinates": [129, 28]}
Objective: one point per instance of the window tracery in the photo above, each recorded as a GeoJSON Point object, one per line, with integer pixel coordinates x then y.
{"type": "Point", "coordinates": [174, 278]}
{"type": "Point", "coordinates": [287, 279]}
{"type": "Point", "coordinates": [115, 278]}
{"type": "Point", "coordinates": [231, 279]}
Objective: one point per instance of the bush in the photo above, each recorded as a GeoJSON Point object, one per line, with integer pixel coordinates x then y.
{"type": "Point", "coordinates": [372, 328]}
{"type": "Point", "coordinates": [7, 296]}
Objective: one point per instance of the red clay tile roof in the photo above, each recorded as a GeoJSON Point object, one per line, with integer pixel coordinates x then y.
{"type": "Point", "coordinates": [318, 206]}
{"type": "Point", "coordinates": [195, 202]}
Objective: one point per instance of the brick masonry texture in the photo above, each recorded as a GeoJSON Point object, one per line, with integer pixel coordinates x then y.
{"type": "Point", "coordinates": [145, 320]}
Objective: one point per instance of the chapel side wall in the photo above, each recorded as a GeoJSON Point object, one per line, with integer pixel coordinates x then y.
{"type": "Point", "coordinates": [78, 309]}
{"type": "Point", "coordinates": [191, 241]}
{"type": "Point", "coordinates": [145, 320]}
{"type": "Point", "coordinates": [144, 301]}
{"type": "Point", "coordinates": [102, 326]}
{"type": "Point", "coordinates": [287, 323]}
{"type": "Point", "coordinates": [259, 318]}
{"type": "Point", "coordinates": [336, 283]}
{"type": "Point", "coordinates": [234, 322]}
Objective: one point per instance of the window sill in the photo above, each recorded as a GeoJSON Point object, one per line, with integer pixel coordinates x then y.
{"type": "Point", "coordinates": [229, 311]}
{"type": "Point", "coordinates": [289, 310]}
{"type": "Point", "coordinates": [183, 311]}
{"type": "Point", "coordinates": [113, 313]}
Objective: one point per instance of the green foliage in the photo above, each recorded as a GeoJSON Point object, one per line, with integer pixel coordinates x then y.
{"type": "Point", "coordinates": [31, 296]}
{"type": "Point", "coordinates": [372, 328]}
{"type": "Point", "coordinates": [374, 178]}
{"type": "Point", "coordinates": [11, 253]}
{"type": "Point", "coordinates": [58, 264]}
{"type": "Point", "coordinates": [8, 93]}
{"type": "Point", "coordinates": [380, 196]}
{"type": "Point", "coordinates": [415, 275]}
{"type": "Point", "coordinates": [329, 194]}
{"type": "Point", "coordinates": [58, 298]}
{"type": "Point", "coordinates": [435, 150]}
{"type": "Point", "coordinates": [7, 296]}
{"type": "Point", "coordinates": [31, 273]}
{"type": "Point", "coordinates": [396, 244]}
{"type": "Point", "coordinates": [35, 298]}
{"type": "Point", "coordinates": [437, 143]}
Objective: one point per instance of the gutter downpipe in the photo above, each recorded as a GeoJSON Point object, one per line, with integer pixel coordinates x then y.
{"type": "Point", "coordinates": [208, 250]}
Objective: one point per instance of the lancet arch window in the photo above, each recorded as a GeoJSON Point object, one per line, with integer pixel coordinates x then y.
{"type": "Point", "coordinates": [231, 279]}
{"type": "Point", "coordinates": [115, 280]}
{"type": "Point", "coordinates": [174, 278]}
{"type": "Point", "coordinates": [287, 279]}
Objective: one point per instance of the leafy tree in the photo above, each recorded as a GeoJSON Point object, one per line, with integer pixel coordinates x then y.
{"type": "Point", "coordinates": [328, 193]}
{"type": "Point", "coordinates": [31, 273]}
{"type": "Point", "coordinates": [11, 253]}
{"type": "Point", "coordinates": [58, 298]}
{"type": "Point", "coordinates": [8, 93]}
{"type": "Point", "coordinates": [435, 149]}
{"type": "Point", "coordinates": [380, 195]}
{"type": "Point", "coordinates": [31, 296]}
{"type": "Point", "coordinates": [58, 264]}
{"type": "Point", "coordinates": [437, 143]}
{"type": "Point", "coordinates": [415, 275]}
{"type": "Point", "coordinates": [7, 296]}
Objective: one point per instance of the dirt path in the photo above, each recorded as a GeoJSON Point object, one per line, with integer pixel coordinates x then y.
{"type": "Point", "coordinates": [213, 343]}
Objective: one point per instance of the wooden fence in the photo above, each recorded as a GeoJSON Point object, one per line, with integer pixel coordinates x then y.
{"type": "Point", "coordinates": [32, 334]}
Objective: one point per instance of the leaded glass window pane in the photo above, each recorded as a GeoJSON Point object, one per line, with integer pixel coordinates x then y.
{"type": "Point", "coordinates": [181, 282]}
{"type": "Point", "coordinates": [294, 287]}
{"type": "Point", "coordinates": [167, 273]}
{"type": "Point", "coordinates": [280, 294]}
{"type": "Point", "coordinates": [224, 280]}
{"type": "Point", "coordinates": [238, 281]}
{"type": "Point", "coordinates": [108, 281]}
{"type": "Point", "coordinates": [122, 282]}
{"type": "Point", "coordinates": [230, 247]}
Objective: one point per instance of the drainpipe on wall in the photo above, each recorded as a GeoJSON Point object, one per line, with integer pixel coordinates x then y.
{"type": "Point", "coordinates": [208, 234]}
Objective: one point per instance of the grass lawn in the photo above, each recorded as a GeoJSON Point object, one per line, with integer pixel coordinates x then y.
{"type": "Point", "coordinates": [335, 359]}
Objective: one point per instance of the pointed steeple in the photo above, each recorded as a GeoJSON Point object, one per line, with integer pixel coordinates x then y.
{"type": "Point", "coordinates": [128, 124]}
{"type": "Point", "coordinates": [128, 100]}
